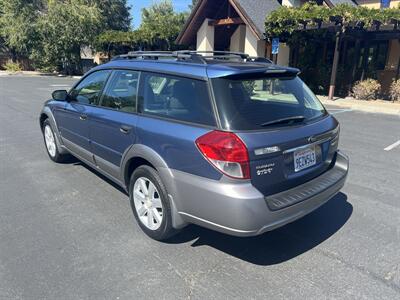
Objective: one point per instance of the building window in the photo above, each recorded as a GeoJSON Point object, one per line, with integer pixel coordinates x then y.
{"type": "Point", "coordinates": [385, 3]}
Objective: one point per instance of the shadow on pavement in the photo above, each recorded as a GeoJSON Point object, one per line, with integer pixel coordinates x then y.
{"type": "Point", "coordinates": [281, 244]}
{"type": "Point", "coordinates": [273, 247]}
{"type": "Point", "coordinates": [77, 162]}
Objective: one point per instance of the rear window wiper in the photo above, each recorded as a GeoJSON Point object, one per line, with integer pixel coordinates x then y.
{"type": "Point", "coordinates": [288, 120]}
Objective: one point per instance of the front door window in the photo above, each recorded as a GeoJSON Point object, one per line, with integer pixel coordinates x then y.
{"type": "Point", "coordinates": [89, 89]}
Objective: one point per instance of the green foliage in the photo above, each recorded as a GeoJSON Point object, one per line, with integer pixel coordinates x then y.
{"type": "Point", "coordinates": [51, 32]}
{"type": "Point", "coordinates": [17, 25]}
{"type": "Point", "coordinates": [63, 29]}
{"type": "Point", "coordinates": [160, 26]}
{"type": "Point", "coordinates": [13, 67]}
{"type": "Point", "coordinates": [194, 2]}
{"type": "Point", "coordinates": [286, 20]}
{"type": "Point", "coordinates": [118, 37]}
{"type": "Point", "coordinates": [367, 89]}
{"type": "Point", "coordinates": [395, 90]}
{"type": "Point", "coordinates": [115, 14]}
{"type": "Point", "coordinates": [114, 42]}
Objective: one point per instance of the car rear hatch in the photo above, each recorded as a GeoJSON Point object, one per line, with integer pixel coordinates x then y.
{"type": "Point", "coordinates": [289, 136]}
{"type": "Point", "coordinates": [273, 154]}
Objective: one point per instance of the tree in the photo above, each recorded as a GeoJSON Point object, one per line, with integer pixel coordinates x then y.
{"type": "Point", "coordinates": [194, 2]}
{"type": "Point", "coordinates": [161, 26]}
{"type": "Point", "coordinates": [51, 32]}
{"type": "Point", "coordinates": [63, 29]}
{"type": "Point", "coordinates": [115, 42]}
{"type": "Point", "coordinates": [18, 33]}
{"type": "Point", "coordinates": [115, 13]}
{"type": "Point", "coordinates": [158, 31]}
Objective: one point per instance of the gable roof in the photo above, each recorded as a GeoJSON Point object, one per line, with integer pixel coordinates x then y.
{"type": "Point", "coordinates": [252, 13]}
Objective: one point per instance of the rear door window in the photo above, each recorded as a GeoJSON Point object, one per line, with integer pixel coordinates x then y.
{"type": "Point", "coordinates": [176, 98]}
{"type": "Point", "coordinates": [121, 92]}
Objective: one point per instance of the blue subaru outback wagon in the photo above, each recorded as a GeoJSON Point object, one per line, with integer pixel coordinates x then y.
{"type": "Point", "coordinates": [223, 140]}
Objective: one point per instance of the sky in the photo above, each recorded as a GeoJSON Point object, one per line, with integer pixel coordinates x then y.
{"type": "Point", "coordinates": [137, 5]}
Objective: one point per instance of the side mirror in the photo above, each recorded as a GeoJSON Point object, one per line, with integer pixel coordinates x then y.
{"type": "Point", "coordinates": [60, 95]}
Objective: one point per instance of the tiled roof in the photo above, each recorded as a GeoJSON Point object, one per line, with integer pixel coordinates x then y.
{"type": "Point", "coordinates": [336, 2]}
{"type": "Point", "coordinates": [256, 10]}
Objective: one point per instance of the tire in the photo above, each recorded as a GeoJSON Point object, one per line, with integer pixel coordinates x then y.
{"type": "Point", "coordinates": [51, 143]}
{"type": "Point", "coordinates": [150, 204]}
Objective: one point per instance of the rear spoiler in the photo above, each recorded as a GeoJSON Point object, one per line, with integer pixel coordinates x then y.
{"type": "Point", "coordinates": [269, 72]}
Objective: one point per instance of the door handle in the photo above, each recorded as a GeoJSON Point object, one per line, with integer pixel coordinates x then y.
{"type": "Point", "coordinates": [125, 129]}
{"type": "Point", "coordinates": [83, 117]}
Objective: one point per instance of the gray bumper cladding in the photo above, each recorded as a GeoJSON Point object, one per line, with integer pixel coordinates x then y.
{"type": "Point", "coordinates": [323, 183]}
{"type": "Point", "coordinates": [238, 208]}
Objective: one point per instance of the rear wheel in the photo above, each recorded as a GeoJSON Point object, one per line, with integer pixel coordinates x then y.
{"type": "Point", "coordinates": [51, 143]}
{"type": "Point", "coordinates": [150, 204]}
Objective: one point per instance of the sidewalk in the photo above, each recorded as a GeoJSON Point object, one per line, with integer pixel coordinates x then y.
{"type": "Point", "coordinates": [34, 73]}
{"type": "Point", "coordinates": [372, 106]}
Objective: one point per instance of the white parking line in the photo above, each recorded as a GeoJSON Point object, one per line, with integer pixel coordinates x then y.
{"type": "Point", "coordinates": [338, 110]}
{"type": "Point", "coordinates": [59, 85]}
{"type": "Point", "coordinates": [392, 146]}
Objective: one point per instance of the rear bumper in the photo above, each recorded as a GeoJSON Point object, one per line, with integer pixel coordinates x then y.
{"type": "Point", "coordinates": [240, 209]}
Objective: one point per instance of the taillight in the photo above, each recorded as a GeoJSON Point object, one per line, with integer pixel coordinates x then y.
{"type": "Point", "coordinates": [226, 152]}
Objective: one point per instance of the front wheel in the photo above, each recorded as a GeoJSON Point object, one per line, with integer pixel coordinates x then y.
{"type": "Point", "coordinates": [150, 204]}
{"type": "Point", "coordinates": [51, 143]}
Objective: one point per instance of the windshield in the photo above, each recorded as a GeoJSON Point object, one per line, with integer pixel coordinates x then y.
{"type": "Point", "coordinates": [248, 104]}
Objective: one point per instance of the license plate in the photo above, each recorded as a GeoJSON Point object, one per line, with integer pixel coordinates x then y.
{"type": "Point", "coordinates": [304, 158]}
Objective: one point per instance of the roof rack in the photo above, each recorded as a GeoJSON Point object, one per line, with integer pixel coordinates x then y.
{"type": "Point", "coordinates": [214, 53]}
{"type": "Point", "coordinates": [152, 55]}
{"type": "Point", "coordinates": [195, 56]}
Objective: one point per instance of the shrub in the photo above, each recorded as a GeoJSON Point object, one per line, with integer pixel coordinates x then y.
{"type": "Point", "coordinates": [395, 90]}
{"type": "Point", "coordinates": [11, 66]}
{"type": "Point", "coordinates": [366, 90]}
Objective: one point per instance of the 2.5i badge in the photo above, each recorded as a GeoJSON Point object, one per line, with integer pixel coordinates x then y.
{"type": "Point", "coordinates": [265, 169]}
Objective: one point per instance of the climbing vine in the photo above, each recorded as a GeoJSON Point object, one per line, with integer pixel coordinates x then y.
{"type": "Point", "coordinates": [285, 20]}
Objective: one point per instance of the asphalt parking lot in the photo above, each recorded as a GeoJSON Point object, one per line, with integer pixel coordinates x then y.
{"type": "Point", "coordinates": [67, 233]}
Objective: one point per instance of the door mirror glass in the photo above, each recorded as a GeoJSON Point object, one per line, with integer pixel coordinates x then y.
{"type": "Point", "coordinates": [60, 95]}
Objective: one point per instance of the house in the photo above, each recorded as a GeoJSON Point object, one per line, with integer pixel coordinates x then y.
{"type": "Point", "coordinates": [238, 25]}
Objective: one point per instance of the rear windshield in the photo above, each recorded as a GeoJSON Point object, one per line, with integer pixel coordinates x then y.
{"type": "Point", "coordinates": [260, 103]}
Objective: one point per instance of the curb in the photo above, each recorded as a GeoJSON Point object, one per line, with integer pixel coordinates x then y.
{"type": "Point", "coordinates": [34, 73]}
{"type": "Point", "coordinates": [376, 106]}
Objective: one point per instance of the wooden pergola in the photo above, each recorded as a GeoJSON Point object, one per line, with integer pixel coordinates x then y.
{"type": "Point", "coordinates": [377, 31]}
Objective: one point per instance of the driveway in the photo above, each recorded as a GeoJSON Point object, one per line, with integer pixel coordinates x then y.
{"type": "Point", "coordinates": [68, 233]}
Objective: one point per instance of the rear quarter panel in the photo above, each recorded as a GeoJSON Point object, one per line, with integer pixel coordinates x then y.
{"type": "Point", "coordinates": [175, 143]}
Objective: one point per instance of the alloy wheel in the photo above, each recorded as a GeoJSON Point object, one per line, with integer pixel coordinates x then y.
{"type": "Point", "coordinates": [50, 141]}
{"type": "Point", "coordinates": [148, 203]}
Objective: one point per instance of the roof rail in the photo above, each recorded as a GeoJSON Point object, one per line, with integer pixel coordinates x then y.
{"type": "Point", "coordinates": [152, 55]}
{"type": "Point", "coordinates": [214, 53]}
{"type": "Point", "coordinates": [195, 56]}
